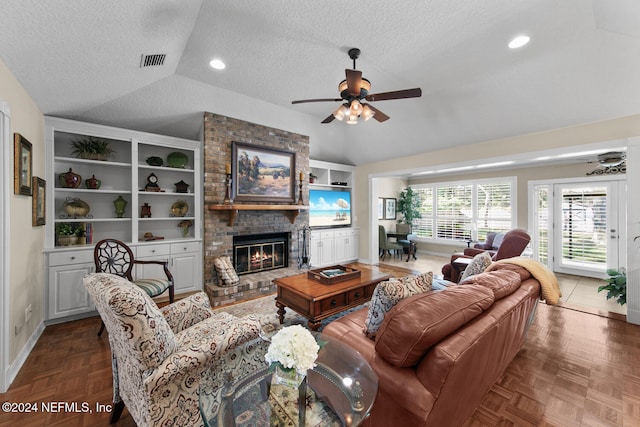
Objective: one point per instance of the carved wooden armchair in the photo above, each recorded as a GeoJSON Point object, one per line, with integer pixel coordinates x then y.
{"type": "Point", "coordinates": [115, 257]}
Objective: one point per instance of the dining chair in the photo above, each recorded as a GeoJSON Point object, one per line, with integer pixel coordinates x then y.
{"type": "Point", "coordinates": [115, 257]}
{"type": "Point", "coordinates": [385, 245]}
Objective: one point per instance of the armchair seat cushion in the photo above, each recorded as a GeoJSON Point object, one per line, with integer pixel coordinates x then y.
{"type": "Point", "coordinates": [153, 287]}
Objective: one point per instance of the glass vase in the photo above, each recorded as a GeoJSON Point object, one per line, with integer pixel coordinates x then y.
{"type": "Point", "coordinates": [288, 377]}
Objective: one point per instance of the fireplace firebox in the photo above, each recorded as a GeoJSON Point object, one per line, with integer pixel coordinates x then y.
{"type": "Point", "coordinates": [260, 252]}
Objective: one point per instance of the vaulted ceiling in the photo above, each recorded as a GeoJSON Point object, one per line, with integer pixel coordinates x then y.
{"type": "Point", "coordinates": [81, 60]}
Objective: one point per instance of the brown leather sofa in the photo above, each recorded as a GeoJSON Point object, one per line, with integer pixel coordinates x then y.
{"type": "Point", "coordinates": [513, 244]}
{"type": "Point", "coordinates": [438, 353]}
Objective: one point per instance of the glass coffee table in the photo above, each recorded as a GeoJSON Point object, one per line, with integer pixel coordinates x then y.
{"type": "Point", "coordinates": [339, 391]}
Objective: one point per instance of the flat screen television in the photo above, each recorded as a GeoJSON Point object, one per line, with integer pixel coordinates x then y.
{"type": "Point", "coordinates": [329, 208]}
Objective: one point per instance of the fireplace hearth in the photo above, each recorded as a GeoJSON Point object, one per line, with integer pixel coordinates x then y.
{"type": "Point", "coordinates": [260, 252]}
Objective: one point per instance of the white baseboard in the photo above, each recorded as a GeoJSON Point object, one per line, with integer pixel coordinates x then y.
{"type": "Point", "coordinates": [633, 316]}
{"type": "Point", "coordinates": [14, 368]}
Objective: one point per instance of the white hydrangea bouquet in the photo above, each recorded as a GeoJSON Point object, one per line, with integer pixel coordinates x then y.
{"type": "Point", "coordinates": [293, 349]}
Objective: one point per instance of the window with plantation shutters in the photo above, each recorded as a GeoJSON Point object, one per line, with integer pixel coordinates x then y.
{"type": "Point", "coordinates": [464, 211]}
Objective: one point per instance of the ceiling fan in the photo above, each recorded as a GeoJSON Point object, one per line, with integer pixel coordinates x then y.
{"type": "Point", "coordinates": [353, 90]}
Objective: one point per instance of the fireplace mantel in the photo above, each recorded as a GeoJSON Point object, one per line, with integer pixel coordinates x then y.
{"type": "Point", "coordinates": [292, 210]}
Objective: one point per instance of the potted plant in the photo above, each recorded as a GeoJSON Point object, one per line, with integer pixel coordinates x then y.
{"type": "Point", "coordinates": [616, 286]}
{"type": "Point", "coordinates": [91, 147]}
{"type": "Point", "coordinates": [68, 233]}
{"type": "Point", "coordinates": [408, 206]}
{"type": "Point", "coordinates": [312, 178]}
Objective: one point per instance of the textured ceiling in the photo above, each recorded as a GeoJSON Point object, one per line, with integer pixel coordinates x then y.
{"type": "Point", "coordinates": [81, 60]}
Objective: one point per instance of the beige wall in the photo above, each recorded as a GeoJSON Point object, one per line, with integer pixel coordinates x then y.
{"type": "Point", "coordinates": [574, 136]}
{"type": "Point", "coordinates": [26, 285]}
{"type": "Point", "coordinates": [390, 188]}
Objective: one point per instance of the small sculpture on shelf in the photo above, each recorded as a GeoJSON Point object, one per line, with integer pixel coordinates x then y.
{"type": "Point", "coordinates": [145, 212]}
{"type": "Point", "coordinates": [182, 187]}
{"type": "Point", "coordinates": [120, 205]}
{"type": "Point", "coordinates": [185, 225]}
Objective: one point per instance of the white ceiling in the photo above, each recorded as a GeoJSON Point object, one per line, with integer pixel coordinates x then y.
{"type": "Point", "coordinates": [81, 59]}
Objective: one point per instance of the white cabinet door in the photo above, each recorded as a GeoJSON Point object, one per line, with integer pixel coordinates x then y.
{"type": "Point", "coordinates": [187, 273]}
{"type": "Point", "coordinates": [327, 251]}
{"type": "Point", "coordinates": [67, 294]}
{"type": "Point", "coordinates": [346, 245]}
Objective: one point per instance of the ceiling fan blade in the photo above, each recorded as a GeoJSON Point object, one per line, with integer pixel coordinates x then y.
{"type": "Point", "coordinates": [302, 101]}
{"type": "Point", "coordinates": [329, 119]}
{"type": "Point", "coordinates": [396, 94]}
{"type": "Point", "coordinates": [353, 81]}
{"type": "Point", "coordinates": [379, 115]}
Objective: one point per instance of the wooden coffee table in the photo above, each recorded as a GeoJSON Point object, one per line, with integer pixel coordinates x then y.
{"type": "Point", "coordinates": [317, 301]}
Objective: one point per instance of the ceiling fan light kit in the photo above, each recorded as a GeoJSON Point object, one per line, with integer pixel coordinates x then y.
{"type": "Point", "coordinates": [353, 90]}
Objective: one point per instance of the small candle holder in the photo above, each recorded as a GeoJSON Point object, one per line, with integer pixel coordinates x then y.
{"type": "Point", "coordinates": [300, 199]}
{"type": "Point", "coordinates": [227, 196]}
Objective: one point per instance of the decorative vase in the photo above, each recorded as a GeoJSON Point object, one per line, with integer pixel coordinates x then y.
{"type": "Point", "coordinates": [288, 377]}
{"type": "Point", "coordinates": [74, 207]}
{"type": "Point", "coordinates": [70, 179]}
{"type": "Point", "coordinates": [120, 204]}
{"type": "Point", "coordinates": [93, 183]}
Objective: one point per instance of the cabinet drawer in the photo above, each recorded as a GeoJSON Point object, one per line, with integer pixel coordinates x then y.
{"type": "Point", "coordinates": [357, 294]}
{"type": "Point", "coordinates": [152, 250]}
{"type": "Point", "coordinates": [333, 302]}
{"type": "Point", "coordinates": [178, 248]}
{"type": "Point", "coordinates": [341, 233]}
{"type": "Point", "coordinates": [70, 257]}
{"type": "Point", "coordinates": [327, 234]}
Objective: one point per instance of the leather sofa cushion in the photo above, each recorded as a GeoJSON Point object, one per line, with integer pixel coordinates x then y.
{"type": "Point", "coordinates": [501, 282]}
{"type": "Point", "coordinates": [418, 322]}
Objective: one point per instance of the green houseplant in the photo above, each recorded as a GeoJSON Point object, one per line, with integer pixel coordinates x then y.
{"type": "Point", "coordinates": [408, 206]}
{"type": "Point", "coordinates": [616, 286]}
{"type": "Point", "coordinates": [91, 147]}
{"type": "Point", "coordinates": [68, 233]}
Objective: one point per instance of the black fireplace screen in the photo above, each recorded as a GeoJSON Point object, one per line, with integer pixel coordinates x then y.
{"type": "Point", "coordinates": [252, 254]}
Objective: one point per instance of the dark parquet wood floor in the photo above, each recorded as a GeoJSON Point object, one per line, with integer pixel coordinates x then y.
{"type": "Point", "coordinates": [575, 369]}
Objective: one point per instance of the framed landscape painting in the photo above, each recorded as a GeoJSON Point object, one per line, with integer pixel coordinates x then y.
{"type": "Point", "coordinates": [262, 174]}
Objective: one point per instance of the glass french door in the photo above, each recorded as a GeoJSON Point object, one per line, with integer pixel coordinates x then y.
{"type": "Point", "coordinates": [576, 226]}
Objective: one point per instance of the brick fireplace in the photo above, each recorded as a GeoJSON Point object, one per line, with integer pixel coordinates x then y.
{"type": "Point", "coordinates": [219, 133]}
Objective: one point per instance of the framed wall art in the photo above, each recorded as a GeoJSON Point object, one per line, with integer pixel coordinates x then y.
{"type": "Point", "coordinates": [38, 206]}
{"type": "Point", "coordinates": [262, 174]}
{"type": "Point", "coordinates": [380, 208]}
{"type": "Point", "coordinates": [390, 209]}
{"type": "Point", "coordinates": [22, 164]}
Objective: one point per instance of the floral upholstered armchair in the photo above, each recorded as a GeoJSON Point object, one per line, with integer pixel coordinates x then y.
{"type": "Point", "coordinates": [159, 356]}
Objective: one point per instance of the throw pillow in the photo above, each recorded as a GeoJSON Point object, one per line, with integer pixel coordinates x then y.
{"type": "Point", "coordinates": [478, 265]}
{"type": "Point", "coordinates": [225, 271]}
{"type": "Point", "coordinates": [387, 294]}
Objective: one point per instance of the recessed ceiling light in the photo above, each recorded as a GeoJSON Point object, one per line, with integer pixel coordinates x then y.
{"type": "Point", "coordinates": [217, 64]}
{"type": "Point", "coordinates": [519, 42]}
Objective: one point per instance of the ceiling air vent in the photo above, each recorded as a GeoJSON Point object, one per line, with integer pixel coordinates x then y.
{"type": "Point", "coordinates": [152, 60]}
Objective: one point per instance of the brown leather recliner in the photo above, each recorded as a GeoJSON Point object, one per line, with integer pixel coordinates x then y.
{"type": "Point", "coordinates": [514, 243]}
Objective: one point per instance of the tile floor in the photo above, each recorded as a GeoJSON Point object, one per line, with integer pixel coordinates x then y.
{"type": "Point", "coordinates": [577, 291]}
